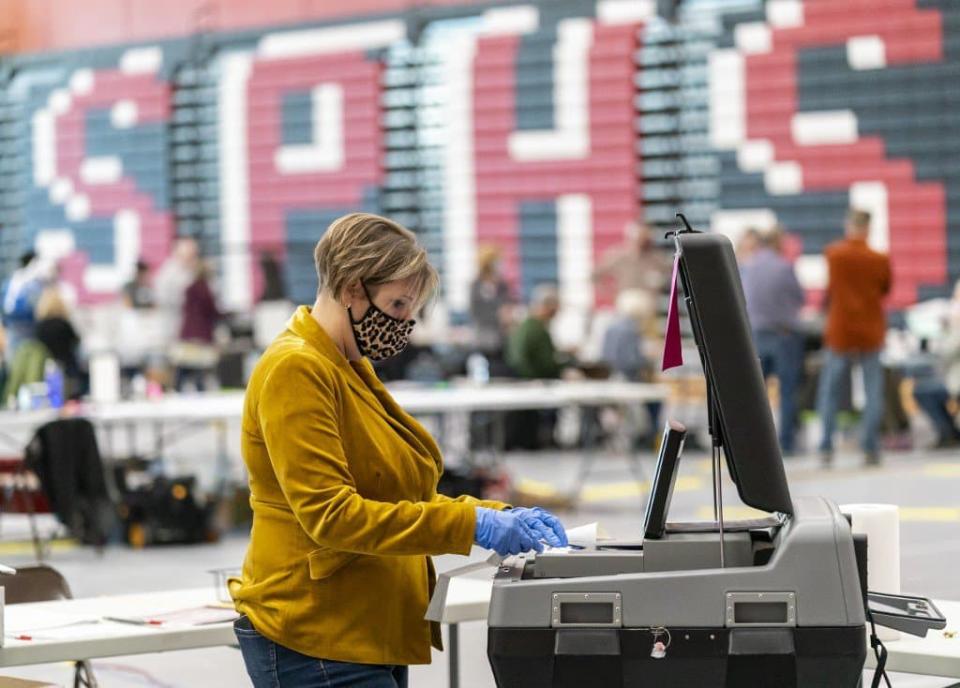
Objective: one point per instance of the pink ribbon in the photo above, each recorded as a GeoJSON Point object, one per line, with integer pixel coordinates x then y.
{"type": "Point", "coordinates": [672, 349]}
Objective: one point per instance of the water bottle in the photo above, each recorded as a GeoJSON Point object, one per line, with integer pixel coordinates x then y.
{"type": "Point", "coordinates": [478, 368]}
{"type": "Point", "coordinates": [23, 398]}
{"type": "Point", "coordinates": [53, 376]}
{"type": "Point", "coordinates": [138, 387]}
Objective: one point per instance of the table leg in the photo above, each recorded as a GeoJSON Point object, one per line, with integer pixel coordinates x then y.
{"type": "Point", "coordinates": [222, 467]}
{"type": "Point", "coordinates": [108, 431]}
{"type": "Point", "coordinates": [454, 650]}
{"type": "Point", "coordinates": [158, 439]}
{"type": "Point", "coordinates": [498, 443]}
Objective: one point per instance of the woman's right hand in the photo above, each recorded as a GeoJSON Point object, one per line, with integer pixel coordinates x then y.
{"type": "Point", "coordinates": [505, 532]}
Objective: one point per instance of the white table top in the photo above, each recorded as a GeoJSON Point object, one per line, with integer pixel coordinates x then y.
{"type": "Point", "coordinates": [90, 636]}
{"type": "Point", "coordinates": [503, 396]}
{"type": "Point", "coordinates": [495, 396]}
{"type": "Point", "coordinates": [468, 599]}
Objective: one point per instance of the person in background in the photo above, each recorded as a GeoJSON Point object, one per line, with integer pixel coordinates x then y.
{"type": "Point", "coordinates": [934, 398]}
{"type": "Point", "coordinates": [55, 331]}
{"type": "Point", "coordinates": [859, 279]}
{"type": "Point", "coordinates": [343, 482]}
{"type": "Point", "coordinates": [196, 353]}
{"type": "Point", "coordinates": [273, 284]}
{"type": "Point", "coordinates": [774, 298]}
{"type": "Point", "coordinates": [530, 354]}
{"type": "Point", "coordinates": [530, 350]}
{"type": "Point", "coordinates": [138, 293]}
{"type": "Point", "coordinates": [950, 346]}
{"type": "Point", "coordinates": [622, 348]}
{"type": "Point", "coordinates": [20, 295]}
{"type": "Point", "coordinates": [176, 273]}
{"type": "Point", "coordinates": [489, 302]}
{"type": "Point", "coordinates": [937, 382]}
{"type": "Point", "coordinates": [637, 263]}
{"type": "Point", "coordinates": [747, 246]}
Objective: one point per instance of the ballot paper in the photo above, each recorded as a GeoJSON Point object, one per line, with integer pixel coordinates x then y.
{"type": "Point", "coordinates": [438, 603]}
{"type": "Point", "coordinates": [581, 537]}
{"type": "Point", "coordinates": [586, 536]}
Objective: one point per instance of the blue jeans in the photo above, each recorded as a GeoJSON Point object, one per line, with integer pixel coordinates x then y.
{"type": "Point", "coordinates": [836, 367]}
{"type": "Point", "coordinates": [781, 354]}
{"type": "Point", "coordinates": [932, 397]}
{"type": "Point", "coordinates": [274, 666]}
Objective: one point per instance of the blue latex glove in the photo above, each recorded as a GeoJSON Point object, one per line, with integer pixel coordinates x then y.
{"type": "Point", "coordinates": [545, 524]}
{"type": "Point", "coordinates": [505, 532]}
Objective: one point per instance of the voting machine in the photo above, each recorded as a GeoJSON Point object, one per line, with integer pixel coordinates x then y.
{"type": "Point", "coordinates": [775, 601]}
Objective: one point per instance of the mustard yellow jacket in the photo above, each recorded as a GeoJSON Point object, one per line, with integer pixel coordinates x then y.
{"type": "Point", "coordinates": [345, 507]}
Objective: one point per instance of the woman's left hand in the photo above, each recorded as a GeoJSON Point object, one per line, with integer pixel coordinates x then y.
{"type": "Point", "coordinates": [546, 525]}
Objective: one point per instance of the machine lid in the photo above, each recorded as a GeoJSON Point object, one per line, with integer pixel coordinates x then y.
{"type": "Point", "coordinates": [717, 309]}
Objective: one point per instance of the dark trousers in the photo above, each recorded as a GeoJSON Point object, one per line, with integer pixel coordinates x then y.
{"type": "Point", "coordinates": [932, 397]}
{"type": "Point", "coordinates": [530, 429]}
{"type": "Point", "coordinates": [186, 375]}
{"type": "Point", "coordinates": [781, 354]}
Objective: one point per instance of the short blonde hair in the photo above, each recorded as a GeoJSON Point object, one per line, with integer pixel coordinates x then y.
{"type": "Point", "coordinates": [487, 257]}
{"type": "Point", "coordinates": [373, 250]}
{"type": "Point", "coordinates": [636, 304]}
{"type": "Point", "coordinates": [50, 305]}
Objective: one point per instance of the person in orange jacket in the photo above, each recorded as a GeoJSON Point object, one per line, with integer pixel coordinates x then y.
{"type": "Point", "coordinates": [859, 281]}
{"type": "Point", "coordinates": [346, 514]}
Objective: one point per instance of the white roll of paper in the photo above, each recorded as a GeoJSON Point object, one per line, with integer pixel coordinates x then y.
{"type": "Point", "coordinates": [881, 524]}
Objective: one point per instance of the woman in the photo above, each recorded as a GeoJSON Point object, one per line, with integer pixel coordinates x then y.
{"type": "Point", "coordinates": [489, 304]}
{"type": "Point", "coordinates": [195, 353]}
{"type": "Point", "coordinates": [343, 482]}
{"type": "Point", "coordinates": [55, 331]}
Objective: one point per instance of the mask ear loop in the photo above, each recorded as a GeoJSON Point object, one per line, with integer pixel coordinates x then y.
{"type": "Point", "coordinates": [363, 285]}
{"type": "Point", "coordinates": [353, 330]}
{"type": "Point", "coordinates": [369, 300]}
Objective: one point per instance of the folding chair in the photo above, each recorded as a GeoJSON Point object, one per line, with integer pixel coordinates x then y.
{"type": "Point", "coordinates": [44, 584]}
{"type": "Point", "coordinates": [20, 493]}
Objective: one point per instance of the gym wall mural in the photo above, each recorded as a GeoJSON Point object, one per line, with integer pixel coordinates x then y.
{"type": "Point", "coordinates": [540, 127]}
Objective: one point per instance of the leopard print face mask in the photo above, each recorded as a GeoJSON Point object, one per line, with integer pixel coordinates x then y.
{"type": "Point", "coordinates": [378, 335]}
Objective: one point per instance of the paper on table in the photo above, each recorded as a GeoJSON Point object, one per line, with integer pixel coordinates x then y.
{"type": "Point", "coordinates": [41, 620]}
{"type": "Point", "coordinates": [438, 603]}
{"type": "Point", "coordinates": [192, 616]}
{"type": "Point", "coordinates": [82, 631]}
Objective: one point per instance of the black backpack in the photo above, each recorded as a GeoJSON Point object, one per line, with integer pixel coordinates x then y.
{"type": "Point", "coordinates": [165, 511]}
